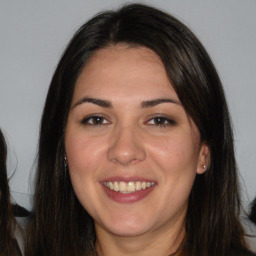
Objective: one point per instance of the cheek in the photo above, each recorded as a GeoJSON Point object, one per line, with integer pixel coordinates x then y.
{"type": "Point", "coordinates": [174, 153]}
{"type": "Point", "coordinates": [176, 159]}
{"type": "Point", "coordinates": [83, 153]}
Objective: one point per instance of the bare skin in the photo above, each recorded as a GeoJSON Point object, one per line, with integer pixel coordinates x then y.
{"type": "Point", "coordinates": [127, 124]}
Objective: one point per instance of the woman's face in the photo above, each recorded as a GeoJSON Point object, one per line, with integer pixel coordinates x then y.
{"type": "Point", "coordinates": [132, 151]}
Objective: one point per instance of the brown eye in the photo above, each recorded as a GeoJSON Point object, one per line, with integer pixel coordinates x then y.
{"type": "Point", "coordinates": [161, 121]}
{"type": "Point", "coordinates": [94, 120]}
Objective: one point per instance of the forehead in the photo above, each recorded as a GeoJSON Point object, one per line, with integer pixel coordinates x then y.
{"type": "Point", "coordinates": [124, 71]}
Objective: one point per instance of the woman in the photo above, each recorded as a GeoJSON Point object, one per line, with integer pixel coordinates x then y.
{"type": "Point", "coordinates": [136, 150]}
{"type": "Point", "coordinates": [8, 245]}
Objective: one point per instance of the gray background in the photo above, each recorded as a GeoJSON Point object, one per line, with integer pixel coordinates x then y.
{"type": "Point", "coordinates": [33, 35]}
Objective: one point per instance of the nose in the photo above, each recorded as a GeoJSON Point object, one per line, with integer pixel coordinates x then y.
{"type": "Point", "coordinates": [126, 147]}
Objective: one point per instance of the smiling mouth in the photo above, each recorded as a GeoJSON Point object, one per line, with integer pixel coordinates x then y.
{"type": "Point", "coordinates": [128, 187]}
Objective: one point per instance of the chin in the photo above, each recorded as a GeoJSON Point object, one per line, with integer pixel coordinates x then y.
{"type": "Point", "coordinates": [128, 226]}
{"type": "Point", "coordinates": [127, 230]}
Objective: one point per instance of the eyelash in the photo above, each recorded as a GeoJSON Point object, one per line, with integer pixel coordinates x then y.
{"type": "Point", "coordinates": [159, 121]}
{"type": "Point", "coordinates": [87, 120]}
{"type": "Point", "coordinates": [164, 121]}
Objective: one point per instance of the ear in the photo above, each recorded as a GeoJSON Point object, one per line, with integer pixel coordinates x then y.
{"type": "Point", "coordinates": [204, 158]}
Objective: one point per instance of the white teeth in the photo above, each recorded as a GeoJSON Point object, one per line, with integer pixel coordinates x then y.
{"type": "Point", "coordinates": [110, 185]}
{"type": "Point", "coordinates": [138, 185]}
{"type": "Point", "coordinates": [128, 187]}
{"type": "Point", "coordinates": [122, 186]}
{"type": "Point", "coordinates": [131, 186]}
{"type": "Point", "coordinates": [116, 186]}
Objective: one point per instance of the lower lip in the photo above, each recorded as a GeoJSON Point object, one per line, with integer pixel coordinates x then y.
{"type": "Point", "coordinates": [128, 197]}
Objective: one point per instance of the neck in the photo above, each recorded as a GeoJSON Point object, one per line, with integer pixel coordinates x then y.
{"type": "Point", "coordinates": [164, 241]}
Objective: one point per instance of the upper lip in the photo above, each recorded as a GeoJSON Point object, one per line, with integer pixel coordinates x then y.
{"type": "Point", "coordinates": [126, 179]}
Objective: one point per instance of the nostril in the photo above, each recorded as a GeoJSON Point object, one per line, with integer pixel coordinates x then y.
{"type": "Point", "coordinates": [126, 155]}
{"type": "Point", "coordinates": [124, 161]}
{"type": "Point", "coordinates": [126, 147]}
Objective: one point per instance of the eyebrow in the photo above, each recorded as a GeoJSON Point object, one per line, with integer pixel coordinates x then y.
{"type": "Point", "coordinates": [154, 102]}
{"type": "Point", "coordinates": [107, 104]}
{"type": "Point", "coordinates": [101, 103]}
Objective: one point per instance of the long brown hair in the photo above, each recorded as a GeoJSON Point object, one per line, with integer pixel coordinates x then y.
{"type": "Point", "coordinates": [7, 220]}
{"type": "Point", "coordinates": [60, 224]}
